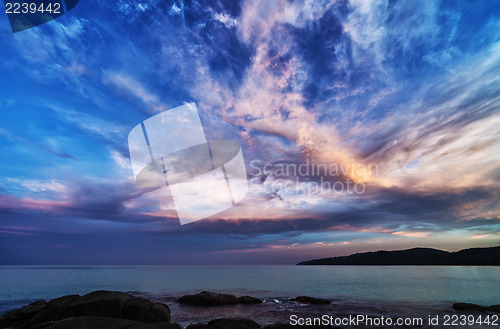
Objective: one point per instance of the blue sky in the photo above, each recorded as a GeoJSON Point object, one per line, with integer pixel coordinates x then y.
{"type": "Point", "coordinates": [409, 88]}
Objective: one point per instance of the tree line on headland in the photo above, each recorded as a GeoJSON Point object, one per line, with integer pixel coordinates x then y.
{"type": "Point", "coordinates": [416, 256]}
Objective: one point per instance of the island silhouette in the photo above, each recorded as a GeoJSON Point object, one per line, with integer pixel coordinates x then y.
{"type": "Point", "coordinates": [416, 256]}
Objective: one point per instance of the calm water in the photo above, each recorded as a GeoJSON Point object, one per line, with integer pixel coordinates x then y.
{"type": "Point", "coordinates": [420, 286]}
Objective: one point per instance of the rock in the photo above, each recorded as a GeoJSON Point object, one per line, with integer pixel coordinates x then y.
{"type": "Point", "coordinates": [289, 326]}
{"type": "Point", "coordinates": [41, 325]}
{"type": "Point", "coordinates": [18, 315]}
{"type": "Point", "coordinates": [105, 304]}
{"type": "Point", "coordinates": [158, 313]}
{"type": "Point", "coordinates": [197, 326]}
{"type": "Point", "coordinates": [206, 298]}
{"type": "Point", "coordinates": [140, 325]}
{"type": "Point", "coordinates": [244, 323]}
{"type": "Point", "coordinates": [474, 307]}
{"type": "Point", "coordinates": [51, 312]}
{"type": "Point", "coordinates": [311, 300]}
{"type": "Point", "coordinates": [97, 303]}
{"type": "Point", "coordinates": [493, 308]}
{"type": "Point", "coordinates": [227, 323]}
{"type": "Point", "coordinates": [233, 323]}
{"type": "Point", "coordinates": [466, 307]}
{"type": "Point", "coordinates": [248, 300]}
{"type": "Point", "coordinates": [136, 309]}
{"type": "Point", "coordinates": [92, 322]}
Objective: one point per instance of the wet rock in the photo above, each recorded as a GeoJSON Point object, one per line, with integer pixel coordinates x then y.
{"type": "Point", "coordinates": [136, 309]}
{"type": "Point", "coordinates": [248, 300]}
{"type": "Point", "coordinates": [475, 307]}
{"type": "Point", "coordinates": [157, 313]}
{"type": "Point", "coordinates": [227, 323]}
{"type": "Point", "coordinates": [197, 326]}
{"type": "Point", "coordinates": [91, 322]}
{"type": "Point", "coordinates": [105, 304]}
{"type": "Point", "coordinates": [206, 298]}
{"type": "Point", "coordinates": [289, 326]}
{"type": "Point", "coordinates": [311, 300]}
{"type": "Point", "coordinates": [97, 303]}
{"type": "Point", "coordinates": [21, 314]}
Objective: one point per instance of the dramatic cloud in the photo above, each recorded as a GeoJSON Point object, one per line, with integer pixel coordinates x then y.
{"type": "Point", "coordinates": [364, 125]}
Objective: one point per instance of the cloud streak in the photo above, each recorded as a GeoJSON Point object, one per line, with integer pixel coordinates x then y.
{"type": "Point", "coordinates": [413, 90]}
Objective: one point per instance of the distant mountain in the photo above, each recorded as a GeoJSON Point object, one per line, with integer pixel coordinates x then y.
{"type": "Point", "coordinates": [416, 256]}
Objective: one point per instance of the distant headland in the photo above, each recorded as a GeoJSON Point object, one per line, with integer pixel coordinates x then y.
{"type": "Point", "coordinates": [416, 256]}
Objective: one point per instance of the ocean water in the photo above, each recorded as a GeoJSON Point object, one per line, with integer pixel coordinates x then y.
{"type": "Point", "coordinates": [382, 290]}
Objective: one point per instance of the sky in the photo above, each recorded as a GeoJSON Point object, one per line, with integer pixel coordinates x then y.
{"type": "Point", "coordinates": [398, 100]}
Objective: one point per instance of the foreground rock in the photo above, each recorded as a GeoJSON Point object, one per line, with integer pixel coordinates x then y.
{"type": "Point", "coordinates": [474, 307]}
{"type": "Point", "coordinates": [206, 298]}
{"type": "Point", "coordinates": [116, 310]}
{"type": "Point", "coordinates": [244, 323]}
{"type": "Point", "coordinates": [311, 300]}
{"type": "Point", "coordinates": [94, 322]}
{"type": "Point", "coordinates": [94, 307]}
{"type": "Point", "coordinates": [248, 300]}
{"type": "Point", "coordinates": [227, 323]}
{"type": "Point", "coordinates": [289, 326]}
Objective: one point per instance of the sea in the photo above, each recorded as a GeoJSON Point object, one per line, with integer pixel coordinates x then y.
{"type": "Point", "coordinates": [395, 292]}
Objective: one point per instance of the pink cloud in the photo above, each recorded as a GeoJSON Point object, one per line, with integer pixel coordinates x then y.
{"type": "Point", "coordinates": [15, 232]}
{"type": "Point", "coordinates": [32, 204]}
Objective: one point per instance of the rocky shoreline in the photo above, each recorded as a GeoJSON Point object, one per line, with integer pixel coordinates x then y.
{"type": "Point", "coordinates": [120, 310]}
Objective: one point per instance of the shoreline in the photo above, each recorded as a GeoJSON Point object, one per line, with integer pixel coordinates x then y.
{"type": "Point", "coordinates": [281, 310]}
